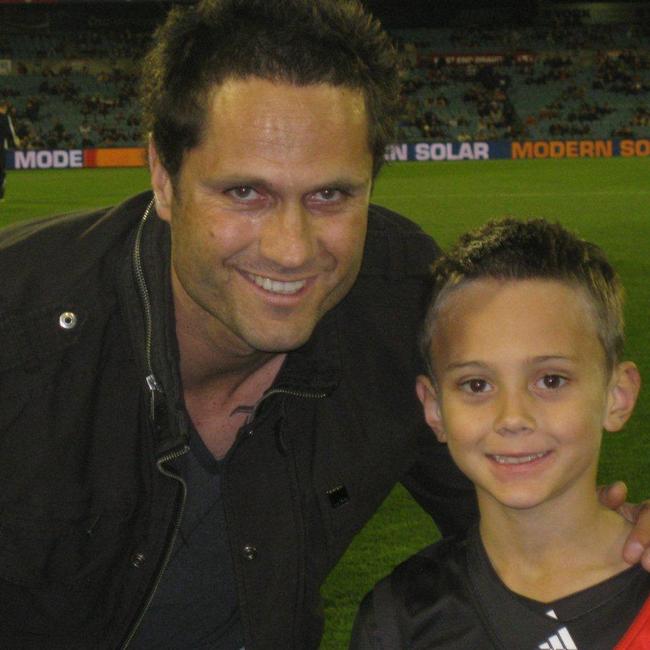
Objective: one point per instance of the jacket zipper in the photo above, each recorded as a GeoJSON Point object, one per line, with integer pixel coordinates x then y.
{"type": "Point", "coordinates": [152, 382]}
{"type": "Point", "coordinates": [298, 511]}
{"type": "Point", "coordinates": [225, 475]}
{"type": "Point", "coordinates": [154, 387]}
{"type": "Point", "coordinates": [284, 391]}
{"type": "Point", "coordinates": [172, 541]}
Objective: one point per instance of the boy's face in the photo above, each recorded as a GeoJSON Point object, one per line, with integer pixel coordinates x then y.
{"type": "Point", "coordinates": [522, 389]}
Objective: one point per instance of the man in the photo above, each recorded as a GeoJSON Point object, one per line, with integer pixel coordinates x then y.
{"type": "Point", "coordinates": [8, 138]}
{"type": "Point", "coordinates": [206, 395]}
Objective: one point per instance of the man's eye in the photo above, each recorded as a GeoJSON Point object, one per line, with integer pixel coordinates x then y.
{"type": "Point", "coordinates": [328, 195]}
{"type": "Point", "coordinates": [475, 385]}
{"type": "Point", "coordinates": [243, 193]}
{"type": "Point", "coordinates": [552, 382]}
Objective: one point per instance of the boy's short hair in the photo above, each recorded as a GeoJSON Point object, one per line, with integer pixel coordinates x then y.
{"type": "Point", "coordinates": [508, 249]}
{"type": "Point", "coordinates": [300, 42]}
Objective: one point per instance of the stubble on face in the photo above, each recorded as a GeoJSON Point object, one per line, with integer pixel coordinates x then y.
{"type": "Point", "coordinates": [269, 213]}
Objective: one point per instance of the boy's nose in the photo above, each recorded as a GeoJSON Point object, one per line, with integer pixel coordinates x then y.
{"type": "Point", "coordinates": [514, 413]}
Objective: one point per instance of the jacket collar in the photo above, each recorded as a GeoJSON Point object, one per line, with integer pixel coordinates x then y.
{"type": "Point", "coordinates": [316, 366]}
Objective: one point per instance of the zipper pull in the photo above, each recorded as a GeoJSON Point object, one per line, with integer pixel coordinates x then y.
{"type": "Point", "coordinates": [153, 384]}
{"type": "Point", "coordinates": [154, 387]}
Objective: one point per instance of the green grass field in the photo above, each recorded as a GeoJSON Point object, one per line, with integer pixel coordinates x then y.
{"type": "Point", "coordinates": [605, 200]}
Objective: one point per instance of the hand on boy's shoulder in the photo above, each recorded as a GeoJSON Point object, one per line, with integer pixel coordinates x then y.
{"type": "Point", "coordinates": [637, 546]}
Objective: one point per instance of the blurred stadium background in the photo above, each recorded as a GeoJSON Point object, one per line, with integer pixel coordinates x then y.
{"type": "Point", "coordinates": [473, 71]}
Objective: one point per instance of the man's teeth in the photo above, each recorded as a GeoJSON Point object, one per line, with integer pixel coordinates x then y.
{"type": "Point", "coordinates": [518, 460]}
{"type": "Point", "coordinates": [275, 286]}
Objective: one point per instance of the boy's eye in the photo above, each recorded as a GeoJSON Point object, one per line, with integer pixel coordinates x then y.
{"type": "Point", "coordinates": [475, 385]}
{"type": "Point", "coordinates": [552, 382]}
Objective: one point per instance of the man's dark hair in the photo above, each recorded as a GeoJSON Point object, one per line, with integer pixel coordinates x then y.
{"type": "Point", "coordinates": [519, 250]}
{"type": "Point", "coordinates": [300, 42]}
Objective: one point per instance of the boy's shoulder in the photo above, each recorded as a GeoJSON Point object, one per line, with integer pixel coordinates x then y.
{"type": "Point", "coordinates": [425, 598]}
{"type": "Point", "coordinates": [433, 572]}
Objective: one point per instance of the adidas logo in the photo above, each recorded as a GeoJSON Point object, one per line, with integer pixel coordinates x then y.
{"type": "Point", "coordinates": [560, 641]}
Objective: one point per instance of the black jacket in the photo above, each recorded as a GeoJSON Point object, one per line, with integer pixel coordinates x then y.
{"type": "Point", "coordinates": [91, 412]}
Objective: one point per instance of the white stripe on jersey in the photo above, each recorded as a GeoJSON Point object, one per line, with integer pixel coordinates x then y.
{"type": "Point", "coordinates": [560, 641]}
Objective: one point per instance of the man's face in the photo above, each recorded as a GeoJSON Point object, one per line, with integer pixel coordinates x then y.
{"type": "Point", "coordinates": [522, 390]}
{"type": "Point", "coordinates": [268, 215]}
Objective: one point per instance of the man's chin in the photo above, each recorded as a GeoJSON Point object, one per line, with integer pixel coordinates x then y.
{"type": "Point", "coordinates": [281, 342]}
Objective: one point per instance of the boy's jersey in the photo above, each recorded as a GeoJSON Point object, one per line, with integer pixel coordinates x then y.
{"type": "Point", "coordinates": [637, 636]}
{"type": "Point", "coordinates": [449, 597]}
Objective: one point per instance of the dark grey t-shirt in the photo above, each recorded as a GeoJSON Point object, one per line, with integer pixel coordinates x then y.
{"type": "Point", "coordinates": [195, 605]}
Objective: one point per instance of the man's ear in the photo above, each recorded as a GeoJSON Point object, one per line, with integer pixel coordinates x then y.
{"type": "Point", "coordinates": [428, 396]}
{"type": "Point", "coordinates": [161, 183]}
{"type": "Point", "coordinates": [623, 390]}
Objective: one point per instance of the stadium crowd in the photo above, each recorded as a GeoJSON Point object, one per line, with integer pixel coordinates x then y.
{"type": "Point", "coordinates": [569, 80]}
{"type": "Point", "coordinates": [564, 79]}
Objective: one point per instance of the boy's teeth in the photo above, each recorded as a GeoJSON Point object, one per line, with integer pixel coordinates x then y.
{"type": "Point", "coordinates": [517, 460]}
{"type": "Point", "coordinates": [275, 286]}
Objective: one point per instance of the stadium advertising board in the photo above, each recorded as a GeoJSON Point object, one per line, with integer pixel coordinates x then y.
{"type": "Point", "coordinates": [402, 151]}
{"type": "Point", "coordinates": [519, 150]}
{"type": "Point", "coordinates": [481, 59]}
{"type": "Point", "coordinates": [76, 158]}
{"type": "Point", "coordinates": [47, 159]}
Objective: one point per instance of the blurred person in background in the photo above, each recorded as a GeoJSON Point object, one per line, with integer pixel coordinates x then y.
{"type": "Point", "coordinates": [8, 138]}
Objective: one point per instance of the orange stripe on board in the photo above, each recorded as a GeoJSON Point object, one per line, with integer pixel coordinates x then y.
{"type": "Point", "coordinates": [121, 157]}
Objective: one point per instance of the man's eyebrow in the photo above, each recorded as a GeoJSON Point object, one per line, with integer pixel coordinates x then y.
{"type": "Point", "coordinates": [345, 184]}
{"type": "Point", "coordinates": [224, 182]}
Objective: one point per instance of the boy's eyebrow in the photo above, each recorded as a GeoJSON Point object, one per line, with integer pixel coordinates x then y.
{"type": "Point", "coordinates": [554, 357]}
{"type": "Point", "coordinates": [544, 358]}
{"type": "Point", "coordinates": [457, 365]}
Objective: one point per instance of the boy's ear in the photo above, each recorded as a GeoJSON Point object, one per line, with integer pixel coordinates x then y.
{"type": "Point", "coordinates": [161, 183]}
{"type": "Point", "coordinates": [623, 390]}
{"type": "Point", "coordinates": [428, 396]}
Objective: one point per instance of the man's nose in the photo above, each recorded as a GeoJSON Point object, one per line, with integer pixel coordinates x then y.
{"type": "Point", "coordinates": [287, 236]}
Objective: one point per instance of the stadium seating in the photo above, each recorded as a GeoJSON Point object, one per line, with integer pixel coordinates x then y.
{"type": "Point", "coordinates": [558, 80]}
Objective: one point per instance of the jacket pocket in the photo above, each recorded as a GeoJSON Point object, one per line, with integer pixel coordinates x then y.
{"type": "Point", "coordinates": [60, 575]}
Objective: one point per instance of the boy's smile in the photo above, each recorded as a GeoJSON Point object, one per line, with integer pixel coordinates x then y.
{"type": "Point", "coordinates": [522, 389]}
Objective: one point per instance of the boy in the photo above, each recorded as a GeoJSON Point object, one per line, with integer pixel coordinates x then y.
{"type": "Point", "coordinates": [522, 339]}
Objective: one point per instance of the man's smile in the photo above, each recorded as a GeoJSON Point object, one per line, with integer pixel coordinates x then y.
{"type": "Point", "coordinates": [277, 286]}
